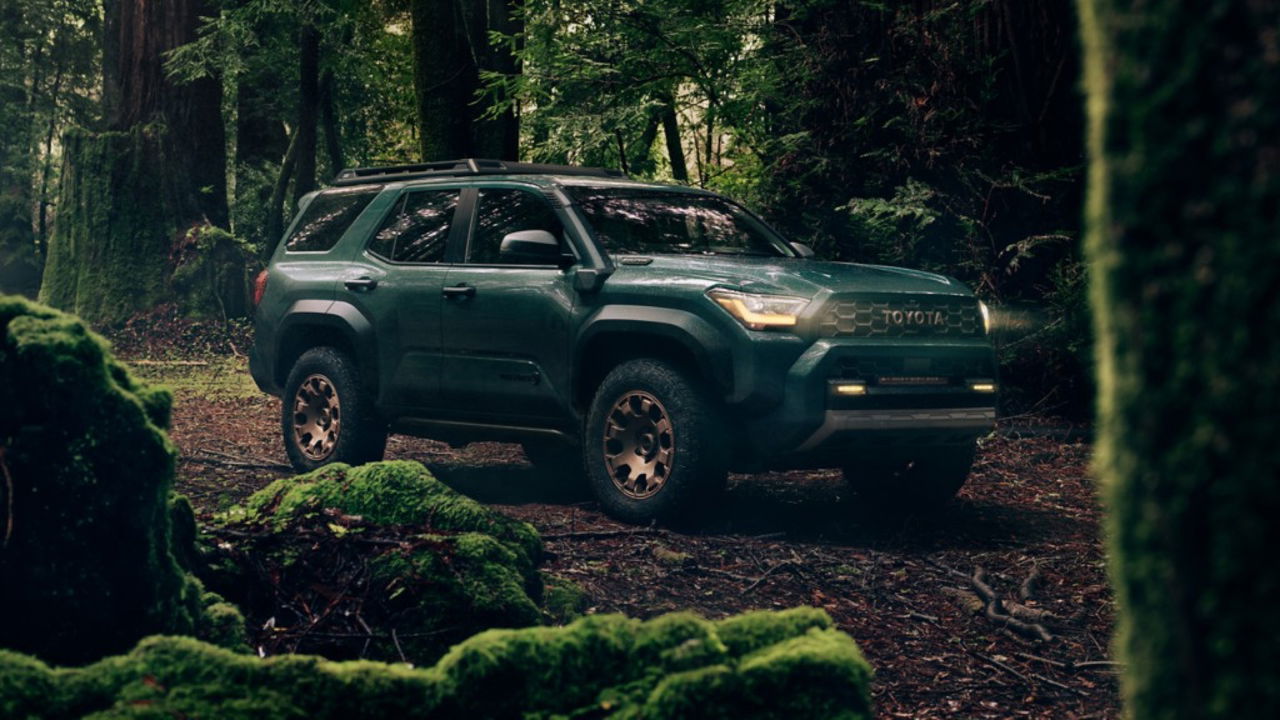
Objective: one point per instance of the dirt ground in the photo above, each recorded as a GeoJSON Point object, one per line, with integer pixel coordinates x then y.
{"type": "Point", "coordinates": [900, 586]}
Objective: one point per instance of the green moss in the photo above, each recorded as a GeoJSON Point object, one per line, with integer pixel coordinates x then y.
{"type": "Point", "coordinates": [562, 600]}
{"type": "Point", "coordinates": [1184, 264]}
{"type": "Point", "coordinates": [88, 565]}
{"type": "Point", "coordinates": [607, 667]}
{"type": "Point", "coordinates": [210, 272]}
{"type": "Point", "coordinates": [396, 492]}
{"type": "Point", "coordinates": [753, 630]}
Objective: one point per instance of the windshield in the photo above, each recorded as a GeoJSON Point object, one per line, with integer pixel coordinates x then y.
{"type": "Point", "coordinates": [634, 220]}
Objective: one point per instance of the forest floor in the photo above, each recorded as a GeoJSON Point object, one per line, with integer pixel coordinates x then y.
{"type": "Point", "coordinates": [902, 587]}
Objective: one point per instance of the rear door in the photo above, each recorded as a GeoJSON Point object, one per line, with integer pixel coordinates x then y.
{"type": "Point", "coordinates": [506, 326]}
{"type": "Point", "coordinates": [395, 281]}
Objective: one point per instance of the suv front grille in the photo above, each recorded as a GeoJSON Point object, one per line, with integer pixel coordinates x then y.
{"type": "Point", "coordinates": [911, 317]}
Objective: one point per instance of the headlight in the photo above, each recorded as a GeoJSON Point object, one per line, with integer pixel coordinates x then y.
{"type": "Point", "coordinates": [759, 312]}
{"type": "Point", "coordinates": [986, 317]}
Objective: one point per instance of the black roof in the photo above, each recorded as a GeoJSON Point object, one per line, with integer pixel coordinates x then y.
{"type": "Point", "coordinates": [460, 168]}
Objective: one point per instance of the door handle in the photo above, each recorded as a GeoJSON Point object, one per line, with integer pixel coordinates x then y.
{"type": "Point", "coordinates": [361, 283]}
{"type": "Point", "coordinates": [459, 290]}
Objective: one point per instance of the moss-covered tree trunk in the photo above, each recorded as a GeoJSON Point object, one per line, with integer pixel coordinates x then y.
{"type": "Point", "coordinates": [1184, 242]}
{"type": "Point", "coordinates": [131, 191]}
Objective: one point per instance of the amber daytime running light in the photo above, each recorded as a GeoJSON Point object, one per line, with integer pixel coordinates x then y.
{"type": "Point", "coordinates": [759, 312]}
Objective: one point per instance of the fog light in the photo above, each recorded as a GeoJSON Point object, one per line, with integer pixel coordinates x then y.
{"type": "Point", "coordinates": [983, 387]}
{"type": "Point", "coordinates": [850, 388]}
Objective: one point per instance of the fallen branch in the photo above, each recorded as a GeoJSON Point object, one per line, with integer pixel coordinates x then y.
{"type": "Point", "coordinates": [766, 574]}
{"type": "Point", "coordinates": [597, 534]}
{"type": "Point", "coordinates": [995, 610]}
{"type": "Point", "coordinates": [1087, 664]}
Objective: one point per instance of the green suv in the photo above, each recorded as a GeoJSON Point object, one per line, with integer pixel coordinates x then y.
{"type": "Point", "coordinates": [651, 338]}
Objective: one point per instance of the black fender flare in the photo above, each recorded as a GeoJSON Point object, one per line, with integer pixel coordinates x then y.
{"type": "Point", "coordinates": [699, 338]}
{"type": "Point", "coordinates": [331, 315]}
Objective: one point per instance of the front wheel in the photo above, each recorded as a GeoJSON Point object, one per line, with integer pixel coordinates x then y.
{"type": "Point", "coordinates": [326, 416]}
{"type": "Point", "coordinates": [654, 443]}
{"type": "Point", "coordinates": [926, 480]}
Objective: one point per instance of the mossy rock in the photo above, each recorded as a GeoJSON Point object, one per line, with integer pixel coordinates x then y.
{"type": "Point", "coordinates": [405, 565]}
{"type": "Point", "coordinates": [86, 556]}
{"type": "Point", "coordinates": [674, 666]}
{"type": "Point", "coordinates": [396, 492]}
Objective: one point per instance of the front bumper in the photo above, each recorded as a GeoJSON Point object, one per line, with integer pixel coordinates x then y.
{"type": "Point", "coordinates": [914, 393]}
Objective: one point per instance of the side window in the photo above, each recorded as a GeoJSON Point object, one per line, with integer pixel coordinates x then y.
{"type": "Point", "coordinates": [327, 218]}
{"type": "Point", "coordinates": [502, 211]}
{"type": "Point", "coordinates": [417, 230]}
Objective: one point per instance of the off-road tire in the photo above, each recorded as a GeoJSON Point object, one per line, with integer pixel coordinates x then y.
{"type": "Point", "coordinates": [360, 435]}
{"type": "Point", "coordinates": [926, 481]}
{"type": "Point", "coordinates": [699, 457]}
{"type": "Point", "coordinates": [558, 463]}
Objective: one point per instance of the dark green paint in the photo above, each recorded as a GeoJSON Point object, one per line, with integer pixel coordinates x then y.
{"type": "Point", "coordinates": [519, 351]}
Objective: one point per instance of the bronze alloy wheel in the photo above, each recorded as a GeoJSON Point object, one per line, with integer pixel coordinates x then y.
{"type": "Point", "coordinates": [639, 445]}
{"type": "Point", "coordinates": [317, 417]}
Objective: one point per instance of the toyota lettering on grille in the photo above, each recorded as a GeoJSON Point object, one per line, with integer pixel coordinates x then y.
{"type": "Point", "coordinates": [915, 317]}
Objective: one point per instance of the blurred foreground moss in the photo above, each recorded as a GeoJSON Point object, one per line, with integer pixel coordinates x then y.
{"type": "Point", "coordinates": [788, 664]}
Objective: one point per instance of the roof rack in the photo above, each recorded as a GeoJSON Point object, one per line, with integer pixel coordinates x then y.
{"type": "Point", "coordinates": [460, 168]}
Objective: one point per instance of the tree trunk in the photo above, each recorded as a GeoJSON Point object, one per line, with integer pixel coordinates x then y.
{"type": "Point", "coordinates": [329, 119]}
{"type": "Point", "coordinates": [304, 180]}
{"type": "Point", "coordinates": [1184, 186]}
{"type": "Point", "coordinates": [450, 48]}
{"type": "Point", "coordinates": [130, 194]}
{"type": "Point", "coordinates": [275, 211]}
{"type": "Point", "coordinates": [19, 271]}
{"type": "Point", "coordinates": [443, 79]}
{"type": "Point", "coordinates": [675, 149]}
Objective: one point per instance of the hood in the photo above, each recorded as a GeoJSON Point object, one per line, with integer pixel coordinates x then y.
{"type": "Point", "coordinates": [784, 276]}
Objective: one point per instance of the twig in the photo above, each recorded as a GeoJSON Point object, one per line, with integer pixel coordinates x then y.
{"type": "Point", "coordinates": [399, 649]}
{"type": "Point", "coordinates": [1057, 684]}
{"type": "Point", "coordinates": [1046, 661]}
{"type": "Point", "coordinates": [596, 534]}
{"type": "Point", "coordinates": [1002, 666]}
{"type": "Point", "coordinates": [190, 363]}
{"type": "Point", "coordinates": [8, 485]}
{"type": "Point", "coordinates": [1094, 664]}
{"type": "Point", "coordinates": [766, 574]}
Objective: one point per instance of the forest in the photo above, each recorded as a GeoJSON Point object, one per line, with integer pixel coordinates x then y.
{"type": "Point", "coordinates": [1103, 174]}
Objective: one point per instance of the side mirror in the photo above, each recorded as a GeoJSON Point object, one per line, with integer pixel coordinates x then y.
{"type": "Point", "coordinates": [530, 247]}
{"type": "Point", "coordinates": [805, 251]}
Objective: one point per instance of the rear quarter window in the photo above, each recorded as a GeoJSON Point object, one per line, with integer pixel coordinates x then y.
{"type": "Point", "coordinates": [327, 218]}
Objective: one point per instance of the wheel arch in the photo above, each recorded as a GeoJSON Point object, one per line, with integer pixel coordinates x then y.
{"type": "Point", "coordinates": [675, 336]}
{"type": "Point", "coordinates": [339, 325]}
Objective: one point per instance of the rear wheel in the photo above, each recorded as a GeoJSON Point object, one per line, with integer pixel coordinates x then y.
{"type": "Point", "coordinates": [326, 416]}
{"type": "Point", "coordinates": [926, 480]}
{"type": "Point", "coordinates": [654, 444]}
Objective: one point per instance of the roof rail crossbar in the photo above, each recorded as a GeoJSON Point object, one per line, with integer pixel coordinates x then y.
{"type": "Point", "coordinates": [462, 168]}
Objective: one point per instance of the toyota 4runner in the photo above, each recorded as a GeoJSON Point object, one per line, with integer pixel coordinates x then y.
{"type": "Point", "coordinates": [648, 337]}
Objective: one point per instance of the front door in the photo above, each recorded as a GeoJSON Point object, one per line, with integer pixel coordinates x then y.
{"type": "Point", "coordinates": [506, 326]}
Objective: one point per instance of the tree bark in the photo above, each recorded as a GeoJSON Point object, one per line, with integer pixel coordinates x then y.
{"type": "Point", "coordinates": [450, 48]}
{"type": "Point", "coordinates": [304, 180]}
{"type": "Point", "coordinates": [130, 194]}
{"type": "Point", "coordinates": [329, 119]}
{"type": "Point", "coordinates": [675, 149]}
{"type": "Point", "coordinates": [275, 211]}
{"type": "Point", "coordinates": [1182, 219]}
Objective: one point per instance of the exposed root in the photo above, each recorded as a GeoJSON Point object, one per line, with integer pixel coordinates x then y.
{"type": "Point", "coordinates": [996, 612]}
